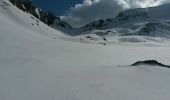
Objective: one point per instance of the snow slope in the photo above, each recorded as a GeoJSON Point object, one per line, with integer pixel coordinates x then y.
{"type": "Point", "coordinates": [37, 63]}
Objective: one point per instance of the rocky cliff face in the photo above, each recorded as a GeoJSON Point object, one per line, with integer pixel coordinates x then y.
{"type": "Point", "coordinates": [45, 16]}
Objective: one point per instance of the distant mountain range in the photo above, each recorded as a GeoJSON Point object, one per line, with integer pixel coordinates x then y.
{"type": "Point", "coordinates": [154, 21]}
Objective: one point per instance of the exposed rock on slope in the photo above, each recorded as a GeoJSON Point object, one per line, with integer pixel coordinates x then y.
{"type": "Point", "coordinates": [150, 62]}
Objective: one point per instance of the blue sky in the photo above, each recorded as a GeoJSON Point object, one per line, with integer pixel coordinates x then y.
{"type": "Point", "coordinates": [58, 7]}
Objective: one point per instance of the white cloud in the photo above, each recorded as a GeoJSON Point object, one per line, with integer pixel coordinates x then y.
{"type": "Point", "coordinates": [144, 3]}
{"type": "Point", "coordinates": [91, 10]}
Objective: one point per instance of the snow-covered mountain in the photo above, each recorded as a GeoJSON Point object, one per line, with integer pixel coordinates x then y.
{"type": "Point", "coordinates": [136, 25]}
{"type": "Point", "coordinates": [140, 22]}
{"type": "Point", "coordinates": [132, 17]}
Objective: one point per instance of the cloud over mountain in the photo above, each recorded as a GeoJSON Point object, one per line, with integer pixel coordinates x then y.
{"type": "Point", "coordinates": [90, 10]}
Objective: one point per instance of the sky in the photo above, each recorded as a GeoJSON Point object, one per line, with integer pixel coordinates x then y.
{"type": "Point", "coordinates": [80, 12]}
{"type": "Point", "coordinates": [58, 7]}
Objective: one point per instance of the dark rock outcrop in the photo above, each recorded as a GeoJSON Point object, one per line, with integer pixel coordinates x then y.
{"type": "Point", "coordinates": [149, 27]}
{"type": "Point", "coordinates": [150, 62]}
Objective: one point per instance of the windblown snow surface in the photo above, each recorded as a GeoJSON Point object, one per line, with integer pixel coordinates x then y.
{"type": "Point", "coordinates": [39, 63]}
